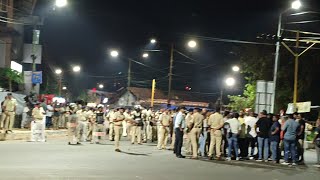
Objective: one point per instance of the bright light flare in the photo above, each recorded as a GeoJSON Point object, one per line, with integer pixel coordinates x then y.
{"type": "Point", "coordinates": [230, 81]}
{"type": "Point", "coordinates": [236, 68]}
{"type": "Point", "coordinates": [192, 44]}
{"type": "Point", "coordinates": [101, 86]}
{"type": "Point", "coordinates": [64, 88]}
{"type": "Point", "coordinates": [58, 71]}
{"type": "Point", "coordinates": [296, 4]}
{"type": "Point", "coordinates": [76, 69]}
{"type": "Point", "coordinates": [114, 53]}
{"type": "Point", "coordinates": [61, 3]}
{"type": "Point", "coordinates": [153, 41]}
{"type": "Point", "coordinates": [145, 55]}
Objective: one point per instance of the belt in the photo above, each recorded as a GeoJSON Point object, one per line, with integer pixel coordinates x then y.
{"type": "Point", "coordinates": [119, 125]}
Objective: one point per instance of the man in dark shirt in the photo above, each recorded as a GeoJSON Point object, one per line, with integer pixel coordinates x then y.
{"type": "Point", "coordinates": [300, 137]}
{"type": "Point", "coordinates": [275, 138]}
{"type": "Point", "coordinates": [263, 128]}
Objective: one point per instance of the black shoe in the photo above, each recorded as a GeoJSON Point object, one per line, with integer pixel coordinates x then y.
{"type": "Point", "coordinates": [78, 143]}
{"type": "Point", "coordinates": [180, 156]}
{"type": "Point", "coordinates": [69, 143]}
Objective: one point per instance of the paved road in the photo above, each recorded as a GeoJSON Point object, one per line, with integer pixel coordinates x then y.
{"type": "Point", "coordinates": [55, 160]}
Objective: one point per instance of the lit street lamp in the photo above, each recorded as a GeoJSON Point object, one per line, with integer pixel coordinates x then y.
{"type": "Point", "coordinates": [145, 55]}
{"type": "Point", "coordinates": [236, 68]}
{"type": "Point", "coordinates": [192, 44]}
{"type": "Point", "coordinates": [230, 81]}
{"type": "Point", "coordinates": [153, 41]}
{"type": "Point", "coordinates": [58, 71]}
{"type": "Point", "coordinates": [76, 69]}
{"type": "Point", "coordinates": [61, 3]}
{"type": "Point", "coordinates": [114, 53]}
{"type": "Point", "coordinates": [64, 88]}
{"type": "Point", "coordinates": [295, 5]}
{"type": "Point", "coordinates": [101, 86]}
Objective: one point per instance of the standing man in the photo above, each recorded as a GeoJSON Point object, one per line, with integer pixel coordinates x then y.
{"type": "Point", "coordinates": [290, 144]}
{"type": "Point", "coordinates": [25, 112]}
{"type": "Point", "coordinates": [263, 128]}
{"type": "Point", "coordinates": [82, 124]}
{"type": "Point", "coordinates": [99, 132]}
{"type": "Point", "coordinates": [118, 128]}
{"type": "Point", "coordinates": [56, 115]}
{"type": "Point", "coordinates": [233, 133]}
{"type": "Point", "coordinates": [72, 126]}
{"type": "Point", "coordinates": [275, 139]}
{"type": "Point", "coordinates": [9, 107]}
{"type": "Point", "coordinates": [251, 134]}
{"type": "Point", "coordinates": [215, 123]}
{"type": "Point", "coordinates": [188, 143]}
{"type": "Point", "coordinates": [242, 137]}
{"type": "Point", "coordinates": [37, 128]}
{"type": "Point", "coordinates": [300, 137]}
{"type": "Point", "coordinates": [164, 129]}
{"type": "Point", "coordinates": [110, 117]}
{"type": "Point", "coordinates": [196, 126]}
{"type": "Point", "coordinates": [137, 126]}
{"type": "Point", "coordinates": [179, 126]}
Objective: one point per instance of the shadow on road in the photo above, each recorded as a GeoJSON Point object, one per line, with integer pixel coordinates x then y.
{"type": "Point", "coordinates": [134, 154]}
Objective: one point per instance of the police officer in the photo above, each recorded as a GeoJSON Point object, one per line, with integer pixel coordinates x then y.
{"type": "Point", "coordinates": [37, 126]}
{"type": "Point", "coordinates": [215, 124]}
{"type": "Point", "coordinates": [110, 117]}
{"type": "Point", "coordinates": [164, 129]}
{"type": "Point", "coordinates": [137, 126]}
{"type": "Point", "coordinates": [82, 124]}
{"type": "Point", "coordinates": [119, 117]}
{"type": "Point", "coordinates": [188, 143]}
{"type": "Point", "coordinates": [99, 132]}
{"type": "Point", "coordinates": [9, 111]}
{"type": "Point", "coordinates": [72, 126]}
{"type": "Point", "coordinates": [196, 126]}
{"type": "Point", "coordinates": [91, 122]}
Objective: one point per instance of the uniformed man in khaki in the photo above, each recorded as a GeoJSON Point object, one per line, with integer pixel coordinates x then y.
{"type": "Point", "coordinates": [136, 129]}
{"type": "Point", "coordinates": [110, 117]}
{"type": "Point", "coordinates": [82, 124]}
{"type": "Point", "coordinates": [9, 112]}
{"type": "Point", "coordinates": [119, 117]}
{"type": "Point", "coordinates": [195, 125]}
{"type": "Point", "coordinates": [215, 124]}
{"type": "Point", "coordinates": [37, 126]}
{"type": "Point", "coordinates": [164, 129]}
{"type": "Point", "coordinates": [188, 142]}
{"type": "Point", "coordinates": [91, 123]}
{"type": "Point", "coordinates": [72, 126]}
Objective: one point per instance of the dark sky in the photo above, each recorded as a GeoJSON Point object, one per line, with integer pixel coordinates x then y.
{"type": "Point", "coordinates": [86, 30]}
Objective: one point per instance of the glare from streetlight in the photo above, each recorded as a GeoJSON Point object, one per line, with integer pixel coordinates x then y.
{"type": "Point", "coordinates": [192, 44]}
{"type": "Point", "coordinates": [76, 69]}
{"type": "Point", "coordinates": [61, 3]}
{"type": "Point", "coordinates": [58, 71]}
{"type": "Point", "coordinates": [64, 88]}
{"type": "Point", "coordinates": [296, 4]}
{"type": "Point", "coordinates": [153, 41]}
{"type": "Point", "coordinates": [101, 86]}
{"type": "Point", "coordinates": [230, 81]}
{"type": "Point", "coordinates": [235, 68]}
{"type": "Point", "coordinates": [145, 55]}
{"type": "Point", "coordinates": [114, 53]}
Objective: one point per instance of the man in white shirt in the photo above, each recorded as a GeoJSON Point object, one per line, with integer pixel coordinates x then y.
{"type": "Point", "coordinates": [179, 126]}
{"type": "Point", "coordinates": [233, 133]}
{"type": "Point", "coordinates": [251, 134]}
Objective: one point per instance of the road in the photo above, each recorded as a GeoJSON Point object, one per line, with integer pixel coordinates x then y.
{"type": "Point", "coordinates": [55, 160]}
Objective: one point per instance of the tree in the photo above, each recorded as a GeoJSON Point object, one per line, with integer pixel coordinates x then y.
{"type": "Point", "coordinates": [11, 76]}
{"type": "Point", "coordinates": [247, 100]}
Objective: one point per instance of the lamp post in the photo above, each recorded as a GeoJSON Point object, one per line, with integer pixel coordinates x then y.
{"type": "Point", "coordinates": [295, 5]}
{"type": "Point", "coordinates": [229, 82]}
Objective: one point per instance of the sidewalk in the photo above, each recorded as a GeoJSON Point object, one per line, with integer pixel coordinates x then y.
{"type": "Point", "coordinates": [21, 134]}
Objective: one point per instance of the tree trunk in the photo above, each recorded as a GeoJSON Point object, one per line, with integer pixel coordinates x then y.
{"type": "Point", "coordinates": [10, 85]}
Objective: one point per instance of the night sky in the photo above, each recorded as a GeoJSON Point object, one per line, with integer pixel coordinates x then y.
{"type": "Point", "coordinates": [85, 31]}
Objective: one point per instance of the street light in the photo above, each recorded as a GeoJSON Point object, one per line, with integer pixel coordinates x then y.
{"type": "Point", "coordinates": [192, 44]}
{"type": "Point", "coordinates": [76, 69]}
{"type": "Point", "coordinates": [145, 55]}
{"type": "Point", "coordinates": [230, 81]}
{"type": "Point", "coordinates": [61, 3]}
{"type": "Point", "coordinates": [64, 88]}
{"type": "Point", "coordinates": [153, 41]}
{"type": "Point", "coordinates": [101, 86]}
{"type": "Point", "coordinates": [235, 68]}
{"type": "Point", "coordinates": [296, 4]}
{"type": "Point", "coordinates": [58, 71]}
{"type": "Point", "coordinates": [114, 53]}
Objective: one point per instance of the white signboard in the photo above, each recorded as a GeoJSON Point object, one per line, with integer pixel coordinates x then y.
{"type": "Point", "coordinates": [30, 49]}
{"type": "Point", "coordinates": [301, 107]}
{"type": "Point", "coordinates": [16, 66]}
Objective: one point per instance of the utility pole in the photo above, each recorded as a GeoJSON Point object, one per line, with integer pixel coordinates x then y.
{"type": "Point", "coordinates": [60, 84]}
{"type": "Point", "coordinates": [170, 73]}
{"type": "Point", "coordinates": [129, 73]}
{"type": "Point", "coordinates": [153, 92]}
{"type": "Point", "coordinates": [221, 96]}
{"type": "Point", "coordinates": [276, 64]}
{"type": "Point", "coordinates": [296, 70]}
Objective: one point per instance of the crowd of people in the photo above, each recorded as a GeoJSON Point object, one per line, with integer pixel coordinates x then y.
{"type": "Point", "coordinates": [213, 135]}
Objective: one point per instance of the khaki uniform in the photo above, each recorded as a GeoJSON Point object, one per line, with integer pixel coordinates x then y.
{"type": "Point", "coordinates": [164, 130]}
{"type": "Point", "coordinates": [72, 129]}
{"type": "Point", "coordinates": [215, 121]}
{"type": "Point", "coordinates": [8, 116]}
{"type": "Point", "coordinates": [118, 128]}
{"type": "Point", "coordinates": [91, 122]}
{"type": "Point", "coordinates": [111, 117]}
{"type": "Point", "coordinates": [37, 125]}
{"type": "Point", "coordinates": [195, 132]}
{"type": "Point", "coordinates": [188, 142]}
{"type": "Point", "coordinates": [99, 130]}
{"type": "Point", "coordinates": [82, 125]}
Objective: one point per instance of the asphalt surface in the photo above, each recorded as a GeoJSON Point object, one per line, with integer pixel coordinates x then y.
{"type": "Point", "coordinates": [56, 160]}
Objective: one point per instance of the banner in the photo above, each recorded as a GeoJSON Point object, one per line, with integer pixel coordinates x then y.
{"type": "Point", "coordinates": [37, 77]}
{"type": "Point", "coordinates": [301, 107]}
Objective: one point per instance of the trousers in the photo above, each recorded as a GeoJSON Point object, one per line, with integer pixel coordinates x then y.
{"type": "Point", "coordinates": [215, 142]}
{"type": "Point", "coordinates": [117, 136]}
{"type": "Point", "coordinates": [162, 143]}
{"type": "Point", "coordinates": [178, 141]}
{"type": "Point", "coordinates": [195, 134]}
{"type": "Point", "coordinates": [82, 130]}
{"type": "Point", "coordinates": [136, 134]}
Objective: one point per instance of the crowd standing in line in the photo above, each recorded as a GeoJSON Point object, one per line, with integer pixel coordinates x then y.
{"type": "Point", "coordinates": [213, 135]}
